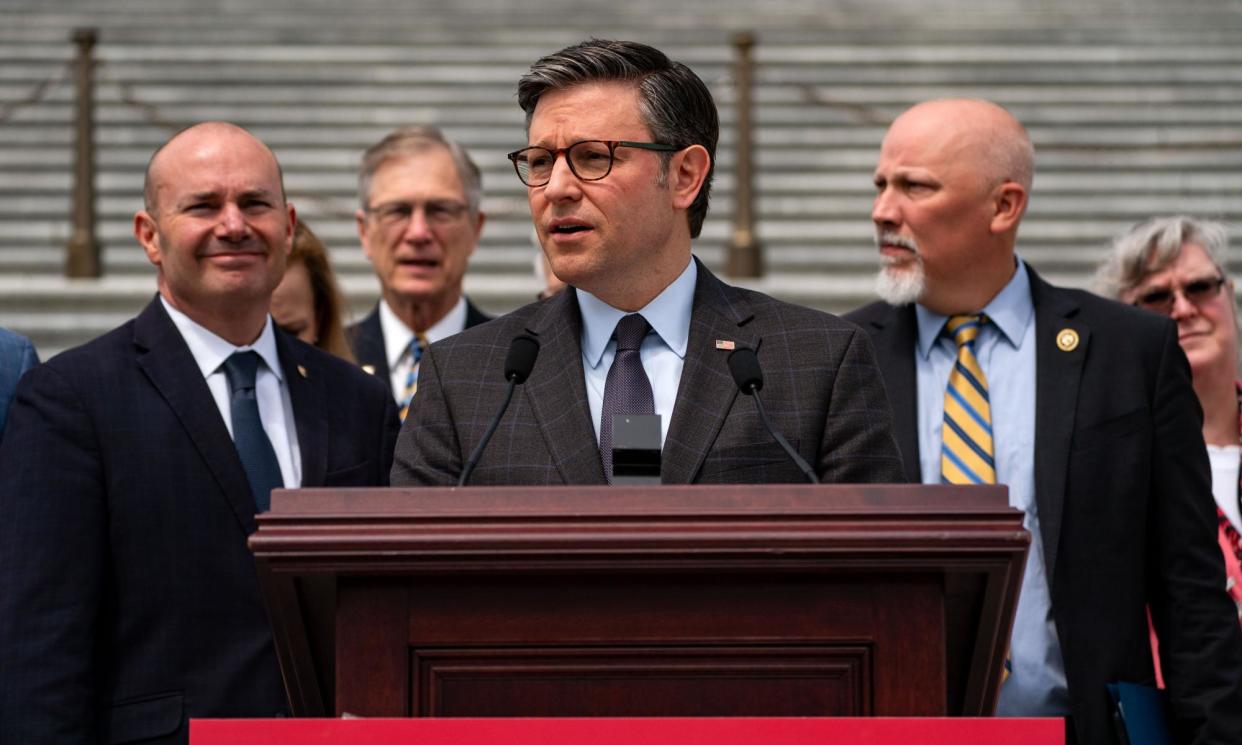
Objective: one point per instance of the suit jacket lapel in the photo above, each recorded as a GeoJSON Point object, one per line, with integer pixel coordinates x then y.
{"type": "Point", "coordinates": [168, 364]}
{"type": "Point", "coordinates": [557, 394]}
{"type": "Point", "coordinates": [309, 399]}
{"type": "Point", "coordinates": [474, 316]}
{"type": "Point", "coordinates": [1057, 375]}
{"type": "Point", "coordinates": [367, 343]}
{"type": "Point", "coordinates": [706, 390]}
{"type": "Point", "coordinates": [895, 348]}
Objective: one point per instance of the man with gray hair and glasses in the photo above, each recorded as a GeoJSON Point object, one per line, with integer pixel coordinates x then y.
{"type": "Point", "coordinates": [621, 144]}
{"type": "Point", "coordinates": [419, 221]}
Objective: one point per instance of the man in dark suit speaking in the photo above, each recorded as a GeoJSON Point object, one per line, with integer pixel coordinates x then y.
{"type": "Point", "coordinates": [618, 168]}
{"type": "Point", "coordinates": [133, 467]}
{"type": "Point", "coordinates": [1082, 406]}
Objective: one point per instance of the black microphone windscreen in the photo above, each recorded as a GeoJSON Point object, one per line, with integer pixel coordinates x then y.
{"type": "Point", "coordinates": [744, 365]}
{"type": "Point", "coordinates": [521, 359]}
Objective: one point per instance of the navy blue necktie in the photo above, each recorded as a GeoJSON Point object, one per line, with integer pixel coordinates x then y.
{"type": "Point", "coordinates": [627, 389]}
{"type": "Point", "coordinates": [255, 450]}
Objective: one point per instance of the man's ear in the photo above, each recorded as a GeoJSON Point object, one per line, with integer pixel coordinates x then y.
{"type": "Point", "coordinates": [1010, 204]}
{"type": "Point", "coordinates": [293, 227]}
{"type": "Point", "coordinates": [687, 172]}
{"type": "Point", "coordinates": [479, 219]}
{"type": "Point", "coordinates": [148, 236]}
{"type": "Point", "coordinates": [360, 220]}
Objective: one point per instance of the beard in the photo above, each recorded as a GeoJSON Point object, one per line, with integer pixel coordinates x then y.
{"type": "Point", "coordinates": [901, 279]}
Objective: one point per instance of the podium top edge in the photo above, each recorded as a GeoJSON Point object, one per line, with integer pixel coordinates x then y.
{"type": "Point", "coordinates": [839, 500]}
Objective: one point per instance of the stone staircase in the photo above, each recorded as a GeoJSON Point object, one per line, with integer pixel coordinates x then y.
{"type": "Point", "coordinates": [1135, 109]}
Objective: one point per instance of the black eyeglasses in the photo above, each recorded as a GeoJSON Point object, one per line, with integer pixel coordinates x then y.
{"type": "Point", "coordinates": [1197, 292]}
{"type": "Point", "coordinates": [397, 214]}
{"type": "Point", "coordinates": [589, 160]}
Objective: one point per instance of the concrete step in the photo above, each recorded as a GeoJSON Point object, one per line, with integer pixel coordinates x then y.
{"type": "Point", "coordinates": [545, 21]}
{"type": "Point", "coordinates": [1133, 105]}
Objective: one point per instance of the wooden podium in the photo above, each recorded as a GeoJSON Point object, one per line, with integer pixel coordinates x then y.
{"type": "Point", "coordinates": [643, 601]}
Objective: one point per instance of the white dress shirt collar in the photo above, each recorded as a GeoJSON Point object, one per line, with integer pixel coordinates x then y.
{"type": "Point", "coordinates": [210, 350]}
{"type": "Point", "coordinates": [397, 335]}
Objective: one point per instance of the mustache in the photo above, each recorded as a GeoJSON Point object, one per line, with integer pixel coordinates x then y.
{"type": "Point", "coordinates": [884, 238]}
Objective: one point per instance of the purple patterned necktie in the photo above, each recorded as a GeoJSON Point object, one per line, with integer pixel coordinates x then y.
{"type": "Point", "coordinates": [627, 390]}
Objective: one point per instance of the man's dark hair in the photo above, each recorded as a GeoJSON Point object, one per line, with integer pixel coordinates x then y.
{"type": "Point", "coordinates": [674, 103]}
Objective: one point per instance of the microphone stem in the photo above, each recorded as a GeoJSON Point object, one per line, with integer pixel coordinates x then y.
{"type": "Point", "coordinates": [780, 440]}
{"type": "Point", "coordinates": [491, 430]}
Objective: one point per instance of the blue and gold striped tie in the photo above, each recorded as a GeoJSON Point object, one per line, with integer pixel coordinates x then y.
{"type": "Point", "coordinates": [966, 456]}
{"type": "Point", "coordinates": [418, 345]}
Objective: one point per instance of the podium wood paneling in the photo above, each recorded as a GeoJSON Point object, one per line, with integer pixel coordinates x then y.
{"type": "Point", "coordinates": [647, 601]}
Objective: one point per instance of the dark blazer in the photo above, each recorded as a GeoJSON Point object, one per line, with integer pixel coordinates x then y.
{"type": "Point", "coordinates": [366, 340]}
{"type": "Point", "coordinates": [130, 601]}
{"type": "Point", "coordinates": [17, 355]}
{"type": "Point", "coordinates": [822, 390]}
{"type": "Point", "coordinates": [1127, 518]}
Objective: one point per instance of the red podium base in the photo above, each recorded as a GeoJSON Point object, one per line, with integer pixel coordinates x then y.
{"type": "Point", "coordinates": [598, 731]}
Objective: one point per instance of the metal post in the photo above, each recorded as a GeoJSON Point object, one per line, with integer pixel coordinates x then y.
{"type": "Point", "coordinates": [745, 252]}
{"type": "Point", "coordinates": [82, 255]}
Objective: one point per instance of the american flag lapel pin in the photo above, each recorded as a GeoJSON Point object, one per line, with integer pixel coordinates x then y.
{"type": "Point", "coordinates": [725, 344]}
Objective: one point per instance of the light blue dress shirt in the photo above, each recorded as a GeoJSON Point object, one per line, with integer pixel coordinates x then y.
{"type": "Point", "coordinates": [663, 351]}
{"type": "Point", "coordinates": [1006, 351]}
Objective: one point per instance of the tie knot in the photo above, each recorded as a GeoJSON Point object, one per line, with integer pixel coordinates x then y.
{"type": "Point", "coordinates": [240, 369]}
{"type": "Point", "coordinates": [630, 332]}
{"type": "Point", "coordinates": [965, 328]}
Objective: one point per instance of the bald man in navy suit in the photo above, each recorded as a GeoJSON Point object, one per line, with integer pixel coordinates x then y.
{"type": "Point", "coordinates": [1094, 427]}
{"type": "Point", "coordinates": [134, 467]}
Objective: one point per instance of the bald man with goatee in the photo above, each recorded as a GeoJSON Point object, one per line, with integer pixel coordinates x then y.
{"type": "Point", "coordinates": [1083, 407]}
{"type": "Point", "coordinates": [134, 467]}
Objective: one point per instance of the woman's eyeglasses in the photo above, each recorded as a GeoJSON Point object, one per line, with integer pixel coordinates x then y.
{"type": "Point", "coordinates": [1197, 292]}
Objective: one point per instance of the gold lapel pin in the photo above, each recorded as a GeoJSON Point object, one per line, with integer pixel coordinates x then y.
{"type": "Point", "coordinates": [368, 369]}
{"type": "Point", "coordinates": [725, 344]}
{"type": "Point", "coordinates": [1067, 340]}
{"type": "Point", "coordinates": [301, 371]}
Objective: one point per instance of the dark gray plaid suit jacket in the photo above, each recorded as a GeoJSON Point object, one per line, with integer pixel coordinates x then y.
{"type": "Point", "coordinates": [822, 389]}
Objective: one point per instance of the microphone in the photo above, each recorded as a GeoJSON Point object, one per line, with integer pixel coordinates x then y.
{"type": "Point", "coordinates": [518, 363]}
{"type": "Point", "coordinates": [521, 358]}
{"type": "Point", "coordinates": [744, 366]}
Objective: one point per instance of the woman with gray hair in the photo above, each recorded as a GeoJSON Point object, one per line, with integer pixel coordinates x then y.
{"type": "Point", "coordinates": [1175, 266]}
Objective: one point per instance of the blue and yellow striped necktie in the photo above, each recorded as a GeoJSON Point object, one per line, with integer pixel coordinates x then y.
{"type": "Point", "coordinates": [418, 345]}
{"type": "Point", "coordinates": [966, 455]}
